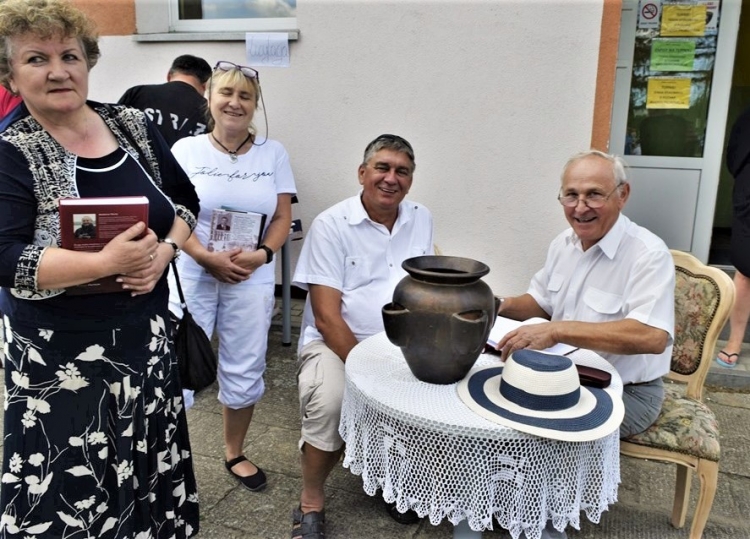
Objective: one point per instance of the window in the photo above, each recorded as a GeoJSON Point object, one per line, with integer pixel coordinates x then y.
{"type": "Point", "coordinates": [232, 15]}
{"type": "Point", "coordinates": [670, 89]}
{"type": "Point", "coordinates": [212, 20]}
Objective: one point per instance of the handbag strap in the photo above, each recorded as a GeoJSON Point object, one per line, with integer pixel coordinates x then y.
{"type": "Point", "coordinates": [183, 303]}
{"type": "Point", "coordinates": [146, 165]}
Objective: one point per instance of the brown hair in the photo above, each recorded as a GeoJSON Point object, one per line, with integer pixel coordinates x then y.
{"type": "Point", "coordinates": [44, 19]}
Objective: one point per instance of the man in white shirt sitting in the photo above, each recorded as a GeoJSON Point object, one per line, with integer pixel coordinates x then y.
{"type": "Point", "coordinates": [350, 264]}
{"type": "Point", "coordinates": [607, 285]}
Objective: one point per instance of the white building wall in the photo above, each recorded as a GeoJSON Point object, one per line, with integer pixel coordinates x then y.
{"type": "Point", "coordinates": [493, 95]}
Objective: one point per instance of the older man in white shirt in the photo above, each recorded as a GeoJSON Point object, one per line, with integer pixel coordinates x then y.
{"type": "Point", "coordinates": [607, 285]}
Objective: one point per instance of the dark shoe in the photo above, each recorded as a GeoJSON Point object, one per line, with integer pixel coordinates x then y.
{"type": "Point", "coordinates": [254, 482]}
{"type": "Point", "coordinates": [409, 517]}
{"type": "Point", "coordinates": [310, 525]}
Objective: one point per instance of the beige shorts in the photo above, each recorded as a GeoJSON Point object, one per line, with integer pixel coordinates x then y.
{"type": "Point", "coordinates": [320, 381]}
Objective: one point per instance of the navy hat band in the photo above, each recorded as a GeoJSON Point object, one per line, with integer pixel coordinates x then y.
{"type": "Point", "coordinates": [545, 403]}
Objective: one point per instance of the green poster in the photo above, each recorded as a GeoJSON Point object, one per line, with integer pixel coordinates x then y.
{"type": "Point", "coordinates": [672, 54]}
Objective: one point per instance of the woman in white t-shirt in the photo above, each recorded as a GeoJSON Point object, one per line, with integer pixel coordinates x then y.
{"type": "Point", "coordinates": [232, 291]}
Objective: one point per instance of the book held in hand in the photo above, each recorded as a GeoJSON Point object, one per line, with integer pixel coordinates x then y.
{"type": "Point", "coordinates": [88, 224]}
{"type": "Point", "coordinates": [235, 228]}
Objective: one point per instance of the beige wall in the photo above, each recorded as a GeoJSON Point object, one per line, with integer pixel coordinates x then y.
{"type": "Point", "coordinates": [494, 95]}
{"type": "Point", "coordinates": [112, 17]}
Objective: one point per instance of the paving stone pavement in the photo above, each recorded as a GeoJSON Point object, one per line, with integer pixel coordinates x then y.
{"type": "Point", "coordinates": [231, 512]}
{"type": "Point", "coordinates": [642, 511]}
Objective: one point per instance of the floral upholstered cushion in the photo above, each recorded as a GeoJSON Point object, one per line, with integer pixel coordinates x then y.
{"type": "Point", "coordinates": [684, 425]}
{"type": "Point", "coordinates": [696, 299]}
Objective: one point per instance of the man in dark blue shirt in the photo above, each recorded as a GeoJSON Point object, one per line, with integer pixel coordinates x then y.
{"type": "Point", "coordinates": [177, 107]}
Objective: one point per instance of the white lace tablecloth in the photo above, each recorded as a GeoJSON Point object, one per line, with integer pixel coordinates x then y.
{"type": "Point", "coordinates": [429, 452]}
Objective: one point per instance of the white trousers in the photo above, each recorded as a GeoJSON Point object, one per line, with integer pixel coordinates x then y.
{"type": "Point", "coordinates": [241, 315]}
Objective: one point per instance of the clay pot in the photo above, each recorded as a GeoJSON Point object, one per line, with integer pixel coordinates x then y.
{"type": "Point", "coordinates": [441, 316]}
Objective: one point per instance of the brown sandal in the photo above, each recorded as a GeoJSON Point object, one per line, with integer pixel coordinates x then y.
{"type": "Point", "coordinates": [407, 518]}
{"type": "Point", "coordinates": [310, 525]}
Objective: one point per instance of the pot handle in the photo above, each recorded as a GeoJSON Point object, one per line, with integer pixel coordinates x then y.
{"type": "Point", "coordinates": [468, 329]}
{"type": "Point", "coordinates": [396, 323]}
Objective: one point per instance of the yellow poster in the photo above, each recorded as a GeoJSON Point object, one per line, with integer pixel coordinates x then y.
{"type": "Point", "coordinates": [683, 20]}
{"type": "Point", "coordinates": [668, 93]}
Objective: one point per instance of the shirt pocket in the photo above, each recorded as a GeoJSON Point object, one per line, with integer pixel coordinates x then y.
{"type": "Point", "coordinates": [555, 282]}
{"type": "Point", "coordinates": [602, 302]}
{"type": "Point", "coordinates": [356, 272]}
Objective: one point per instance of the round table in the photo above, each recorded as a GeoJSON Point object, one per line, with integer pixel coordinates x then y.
{"type": "Point", "coordinates": [427, 451]}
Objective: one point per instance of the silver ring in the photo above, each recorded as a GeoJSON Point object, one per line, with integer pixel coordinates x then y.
{"type": "Point", "coordinates": [151, 256]}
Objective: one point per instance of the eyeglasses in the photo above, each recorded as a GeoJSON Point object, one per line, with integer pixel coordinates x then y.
{"type": "Point", "coordinates": [591, 200]}
{"type": "Point", "coordinates": [249, 72]}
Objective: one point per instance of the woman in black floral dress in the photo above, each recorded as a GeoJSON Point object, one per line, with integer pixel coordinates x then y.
{"type": "Point", "coordinates": [95, 440]}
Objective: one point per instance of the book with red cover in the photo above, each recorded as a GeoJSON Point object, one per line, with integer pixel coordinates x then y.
{"type": "Point", "coordinates": [88, 224]}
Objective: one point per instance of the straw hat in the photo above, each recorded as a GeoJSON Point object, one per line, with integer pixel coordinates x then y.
{"type": "Point", "coordinates": [540, 393]}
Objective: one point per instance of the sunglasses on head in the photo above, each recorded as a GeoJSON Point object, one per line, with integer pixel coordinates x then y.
{"type": "Point", "coordinates": [249, 72]}
{"type": "Point", "coordinates": [392, 138]}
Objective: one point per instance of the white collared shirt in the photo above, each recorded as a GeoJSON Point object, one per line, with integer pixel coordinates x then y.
{"type": "Point", "coordinates": [629, 273]}
{"type": "Point", "coordinates": [346, 250]}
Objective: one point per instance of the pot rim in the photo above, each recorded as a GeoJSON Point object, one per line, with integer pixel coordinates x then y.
{"type": "Point", "coordinates": [428, 268]}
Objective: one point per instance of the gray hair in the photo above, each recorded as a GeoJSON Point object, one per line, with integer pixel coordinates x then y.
{"type": "Point", "coordinates": [619, 165]}
{"type": "Point", "coordinates": [390, 142]}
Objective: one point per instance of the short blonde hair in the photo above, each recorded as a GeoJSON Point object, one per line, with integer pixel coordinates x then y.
{"type": "Point", "coordinates": [232, 78]}
{"type": "Point", "coordinates": [45, 19]}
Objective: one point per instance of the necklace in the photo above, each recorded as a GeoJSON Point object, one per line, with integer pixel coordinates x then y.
{"type": "Point", "coordinates": [232, 154]}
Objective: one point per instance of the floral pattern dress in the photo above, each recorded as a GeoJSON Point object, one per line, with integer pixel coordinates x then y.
{"type": "Point", "coordinates": [95, 441]}
{"type": "Point", "coordinates": [114, 461]}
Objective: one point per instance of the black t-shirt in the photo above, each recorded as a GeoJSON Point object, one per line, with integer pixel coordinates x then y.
{"type": "Point", "coordinates": [176, 108]}
{"type": "Point", "coordinates": [115, 174]}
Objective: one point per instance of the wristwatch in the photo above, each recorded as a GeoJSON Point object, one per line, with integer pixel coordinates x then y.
{"type": "Point", "coordinates": [499, 302]}
{"type": "Point", "coordinates": [171, 242]}
{"type": "Point", "coordinates": [269, 253]}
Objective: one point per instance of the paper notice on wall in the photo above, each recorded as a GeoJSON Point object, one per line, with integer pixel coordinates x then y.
{"type": "Point", "coordinates": [712, 15]}
{"type": "Point", "coordinates": [672, 54]}
{"type": "Point", "coordinates": [648, 14]}
{"type": "Point", "coordinates": [668, 93]}
{"type": "Point", "coordinates": [684, 20]}
{"type": "Point", "coordinates": [267, 49]}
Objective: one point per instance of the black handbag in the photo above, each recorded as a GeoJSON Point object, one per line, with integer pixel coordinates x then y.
{"type": "Point", "coordinates": [196, 360]}
{"type": "Point", "coordinates": [195, 356]}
